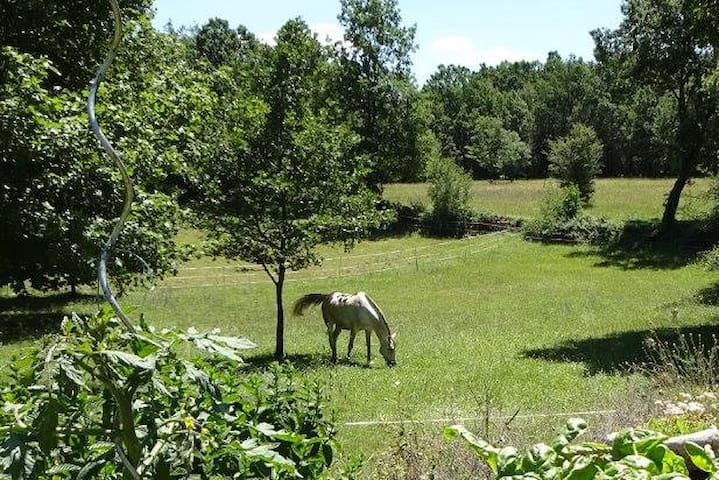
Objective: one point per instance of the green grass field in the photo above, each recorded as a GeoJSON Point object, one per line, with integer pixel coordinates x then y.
{"type": "Point", "coordinates": [614, 198]}
{"type": "Point", "coordinates": [485, 324]}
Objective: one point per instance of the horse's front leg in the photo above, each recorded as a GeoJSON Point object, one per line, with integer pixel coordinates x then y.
{"type": "Point", "coordinates": [333, 341]}
{"type": "Point", "coordinates": [351, 344]}
{"type": "Point", "coordinates": [368, 336]}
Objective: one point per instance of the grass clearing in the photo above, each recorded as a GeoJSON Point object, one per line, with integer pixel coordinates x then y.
{"type": "Point", "coordinates": [614, 198]}
{"type": "Point", "coordinates": [489, 325]}
{"type": "Point", "coordinates": [488, 322]}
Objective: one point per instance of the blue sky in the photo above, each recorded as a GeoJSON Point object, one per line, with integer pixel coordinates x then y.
{"type": "Point", "coordinates": [463, 32]}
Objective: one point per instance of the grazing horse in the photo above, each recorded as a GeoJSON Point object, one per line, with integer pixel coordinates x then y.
{"type": "Point", "coordinates": [353, 312]}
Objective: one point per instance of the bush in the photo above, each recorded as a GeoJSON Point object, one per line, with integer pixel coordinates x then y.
{"type": "Point", "coordinates": [560, 220]}
{"type": "Point", "coordinates": [98, 402]}
{"type": "Point", "coordinates": [633, 453]}
{"type": "Point", "coordinates": [449, 193]}
{"type": "Point", "coordinates": [574, 159]}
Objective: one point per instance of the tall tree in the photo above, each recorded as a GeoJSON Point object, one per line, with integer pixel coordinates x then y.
{"type": "Point", "coordinates": [59, 195]}
{"type": "Point", "coordinates": [670, 46]}
{"type": "Point", "coordinates": [72, 34]}
{"type": "Point", "coordinates": [376, 88]}
{"type": "Point", "coordinates": [273, 196]}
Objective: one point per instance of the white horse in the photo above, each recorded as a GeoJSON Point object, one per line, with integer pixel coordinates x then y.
{"type": "Point", "coordinates": [353, 312]}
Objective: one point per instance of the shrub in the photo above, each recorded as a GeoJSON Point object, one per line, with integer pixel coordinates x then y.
{"type": "Point", "coordinates": [633, 453]}
{"type": "Point", "coordinates": [575, 159]}
{"type": "Point", "coordinates": [449, 193]}
{"type": "Point", "coordinates": [560, 220]}
{"type": "Point", "coordinates": [99, 402]}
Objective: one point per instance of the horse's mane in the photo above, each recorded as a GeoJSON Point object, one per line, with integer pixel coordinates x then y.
{"type": "Point", "coordinates": [378, 310]}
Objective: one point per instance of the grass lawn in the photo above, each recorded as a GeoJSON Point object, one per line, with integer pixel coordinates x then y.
{"type": "Point", "coordinates": [489, 325]}
{"type": "Point", "coordinates": [615, 198]}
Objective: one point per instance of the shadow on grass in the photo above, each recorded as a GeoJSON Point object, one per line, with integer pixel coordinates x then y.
{"type": "Point", "coordinates": [28, 317]}
{"type": "Point", "coordinates": [301, 361]}
{"type": "Point", "coordinates": [304, 361]}
{"type": "Point", "coordinates": [709, 296]}
{"type": "Point", "coordinates": [616, 353]}
{"type": "Point", "coordinates": [642, 246]}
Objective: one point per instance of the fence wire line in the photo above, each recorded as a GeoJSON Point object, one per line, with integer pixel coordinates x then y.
{"type": "Point", "coordinates": [326, 277]}
{"type": "Point", "coordinates": [362, 255]}
{"type": "Point", "coordinates": [527, 416]}
{"type": "Point", "coordinates": [393, 253]}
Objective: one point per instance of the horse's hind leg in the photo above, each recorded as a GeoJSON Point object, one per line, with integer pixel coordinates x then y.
{"type": "Point", "coordinates": [351, 344]}
{"type": "Point", "coordinates": [332, 335]}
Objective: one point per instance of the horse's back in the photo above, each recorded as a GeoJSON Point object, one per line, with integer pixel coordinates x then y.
{"type": "Point", "coordinates": [349, 311]}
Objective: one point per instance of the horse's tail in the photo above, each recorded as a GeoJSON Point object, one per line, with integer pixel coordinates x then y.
{"type": "Point", "coordinates": [310, 299]}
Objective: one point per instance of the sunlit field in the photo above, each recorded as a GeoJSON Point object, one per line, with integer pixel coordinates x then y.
{"type": "Point", "coordinates": [614, 198]}
{"type": "Point", "coordinates": [487, 326]}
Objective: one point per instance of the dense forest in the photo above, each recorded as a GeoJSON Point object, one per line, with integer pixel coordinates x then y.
{"type": "Point", "coordinates": [220, 128]}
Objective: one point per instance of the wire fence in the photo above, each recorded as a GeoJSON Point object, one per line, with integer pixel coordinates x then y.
{"type": "Point", "coordinates": [340, 266]}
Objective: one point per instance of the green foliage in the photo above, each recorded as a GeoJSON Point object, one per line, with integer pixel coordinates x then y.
{"type": "Point", "coordinates": [574, 159]}
{"type": "Point", "coordinates": [283, 178]}
{"type": "Point", "coordinates": [670, 46]}
{"type": "Point", "coordinates": [58, 194]}
{"type": "Point", "coordinates": [560, 219]}
{"type": "Point", "coordinates": [97, 402]}
{"type": "Point", "coordinates": [72, 34]}
{"type": "Point", "coordinates": [633, 453]}
{"type": "Point", "coordinates": [372, 83]}
{"type": "Point", "coordinates": [449, 193]}
{"type": "Point", "coordinates": [498, 152]}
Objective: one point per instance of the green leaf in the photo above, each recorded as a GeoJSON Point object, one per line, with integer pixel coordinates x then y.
{"type": "Point", "coordinates": [93, 466]}
{"type": "Point", "coordinates": [700, 457]}
{"type": "Point", "coordinates": [235, 343]}
{"type": "Point", "coordinates": [129, 359]}
{"type": "Point", "coordinates": [327, 453]}
{"type": "Point", "coordinates": [197, 375]}
{"type": "Point", "coordinates": [45, 425]}
{"type": "Point", "coordinates": [61, 469]}
{"type": "Point", "coordinates": [480, 447]}
{"type": "Point", "coordinates": [581, 468]}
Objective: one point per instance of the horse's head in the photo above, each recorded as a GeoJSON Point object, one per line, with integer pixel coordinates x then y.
{"type": "Point", "coordinates": [388, 351]}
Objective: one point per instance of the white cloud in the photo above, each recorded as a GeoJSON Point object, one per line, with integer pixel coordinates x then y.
{"type": "Point", "coordinates": [328, 32]}
{"type": "Point", "coordinates": [461, 50]}
{"type": "Point", "coordinates": [268, 38]}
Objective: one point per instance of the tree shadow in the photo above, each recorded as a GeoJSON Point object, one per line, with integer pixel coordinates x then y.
{"type": "Point", "coordinates": [302, 361]}
{"type": "Point", "coordinates": [641, 245]}
{"type": "Point", "coordinates": [709, 296]}
{"type": "Point", "coordinates": [618, 353]}
{"type": "Point", "coordinates": [28, 317]}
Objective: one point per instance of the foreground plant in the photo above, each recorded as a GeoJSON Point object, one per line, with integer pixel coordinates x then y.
{"type": "Point", "coordinates": [99, 402]}
{"type": "Point", "coordinates": [633, 453]}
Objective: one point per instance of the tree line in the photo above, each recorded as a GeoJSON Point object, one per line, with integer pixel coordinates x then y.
{"type": "Point", "coordinates": [278, 148]}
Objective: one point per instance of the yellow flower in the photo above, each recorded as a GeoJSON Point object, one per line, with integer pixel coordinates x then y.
{"type": "Point", "coordinates": [189, 422]}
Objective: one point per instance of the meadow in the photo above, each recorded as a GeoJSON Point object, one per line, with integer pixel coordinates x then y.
{"type": "Point", "coordinates": [487, 327]}
{"type": "Point", "coordinates": [614, 198]}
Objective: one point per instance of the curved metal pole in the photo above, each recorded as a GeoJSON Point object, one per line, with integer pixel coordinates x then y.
{"type": "Point", "coordinates": [129, 193]}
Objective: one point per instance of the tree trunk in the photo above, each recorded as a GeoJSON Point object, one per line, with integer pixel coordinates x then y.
{"type": "Point", "coordinates": [280, 331]}
{"type": "Point", "coordinates": [672, 204]}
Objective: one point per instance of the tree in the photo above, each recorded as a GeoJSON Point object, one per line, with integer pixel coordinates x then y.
{"type": "Point", "coordinates": [670, 46]}
{"type": "Point", "coordinates": [59, 195]}
{"type": "Point", "coordinates": [273, 196]}
{"type": "Point", "coordinates": [450, 190]}
{"type": "Point", "coordinates": [374, 85]}
{"type": "Point", "coordinates": [72, 34]}
{"type": "Point", "coordinates": [495, 151]}
{"type": "Point", "coordinates": [574, 159]}
{"type": "Point", "coordinates": [566, 92]}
